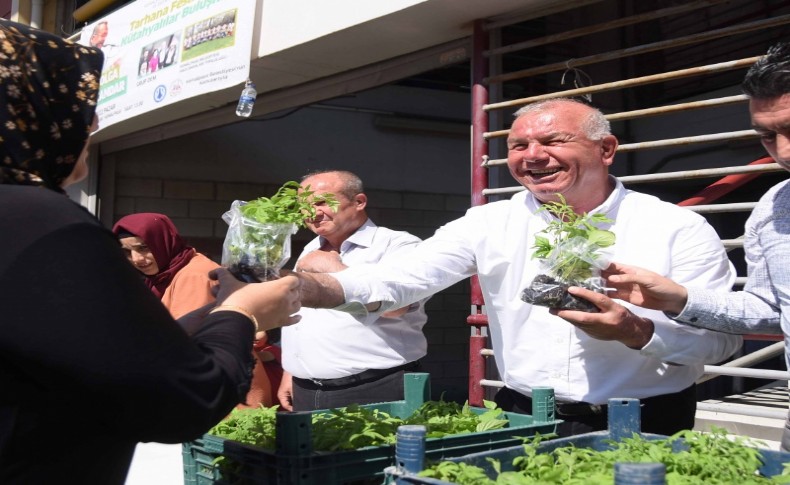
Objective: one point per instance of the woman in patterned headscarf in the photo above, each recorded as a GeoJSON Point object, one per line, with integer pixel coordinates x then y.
{"type": "Point", "coordinates": [48, 90]}
{"type": "Point", "coordinates": [90, 361]}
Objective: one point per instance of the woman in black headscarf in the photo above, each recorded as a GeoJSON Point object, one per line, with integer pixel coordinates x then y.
{"type": "Point", "coordinates": [90, 361]}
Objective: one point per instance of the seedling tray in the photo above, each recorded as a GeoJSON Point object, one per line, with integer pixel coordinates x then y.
{"type": "Point", "coordinates": [295, 462]}
{"type": "Point", "coordinates": [624, 421]}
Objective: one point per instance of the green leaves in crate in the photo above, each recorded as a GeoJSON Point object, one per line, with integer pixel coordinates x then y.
{"type": "Point", "coordinates": [460, 472]}
{"type": "Point", "coordinates": [355, 427]}
{"type": "Point", "coordinates": [690, 457]}
{"type": "Point", "coordinates": [491, 419]}
{"type": "Point", "coordinates": [251, 426]}
{"type": "Point", "coordinates": [443, 418]}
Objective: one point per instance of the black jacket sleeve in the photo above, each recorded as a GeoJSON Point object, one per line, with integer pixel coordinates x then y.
{"type": "Point", "coordinates": [83, 334]}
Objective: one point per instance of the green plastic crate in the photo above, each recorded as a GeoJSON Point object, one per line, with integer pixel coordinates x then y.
{"type": "Point", "coordinates": [624, 421]}
{"type": "Point", "coordinates": [295, 462]}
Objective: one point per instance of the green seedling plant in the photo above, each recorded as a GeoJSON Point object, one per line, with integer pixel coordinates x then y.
{"type": "Point", "coordinates": [442, 418]}
{"type": "Point", "coordinates": [258, 241]}
{"type": "Point", "coordinates": [291, 204]}
{"type": "Point", "coordinates": [255, 426]}
{"type": "Point", "coordinates": [690, 458]}
{"type": "Point", "coordinates": [572, 266]}
{"type": "Point", "coordinates": [355, 427]}
{"type": "Point", "coordinates": [569, 248]}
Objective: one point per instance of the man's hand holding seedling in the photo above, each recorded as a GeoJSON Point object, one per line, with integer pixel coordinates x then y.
{"type": "Point", "coordinates": [612, 322]}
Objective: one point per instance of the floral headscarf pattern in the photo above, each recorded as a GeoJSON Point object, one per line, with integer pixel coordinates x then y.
{"type": "Point", "coordinates": [48, 92]}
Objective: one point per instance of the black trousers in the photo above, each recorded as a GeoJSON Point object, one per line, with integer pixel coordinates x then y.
{"type": "Point", "coordinates": [665, 414]}
{"type": "Point", "coordinates": [373, 387]}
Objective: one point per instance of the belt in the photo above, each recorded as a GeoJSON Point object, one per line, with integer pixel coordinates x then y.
{"type": "Point", "coordinates": [565, 409]}
{"type": "Point", "coordinates": [362, 377]}
{"type": "Point", "coordinates": [579, 408]}
{"type": "Point", "coordinates": [671, 400]}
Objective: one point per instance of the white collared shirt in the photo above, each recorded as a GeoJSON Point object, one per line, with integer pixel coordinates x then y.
{"type": "Point", "coordinates": [534, 348]}
{"type": "Point", "coordinates": [327, 344]}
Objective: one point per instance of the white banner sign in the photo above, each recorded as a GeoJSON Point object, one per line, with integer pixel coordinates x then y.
{"type": "Point", "coordinates": [159, 52]}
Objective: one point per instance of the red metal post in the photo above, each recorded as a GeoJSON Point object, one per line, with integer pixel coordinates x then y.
{"type": "Point", "coordinates": [477, 369]}
{"type": "Point", "coordinates": [724, 186]}
{"type": "Point", "coordinates": [479, 182]}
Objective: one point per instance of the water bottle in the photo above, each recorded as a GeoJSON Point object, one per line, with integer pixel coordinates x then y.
{"type": "Point", "coordinates": [246, 100]}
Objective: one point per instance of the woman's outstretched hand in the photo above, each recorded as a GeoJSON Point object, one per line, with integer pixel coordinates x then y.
{"type": "Point", "coordinates": [274, 303]}
{"type": "Point", "coordinates": [644, 288]}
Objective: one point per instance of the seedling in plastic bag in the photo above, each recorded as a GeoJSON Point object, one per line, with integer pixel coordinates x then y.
{"type": "Point", "coordinates": [570, 255]}
{"type": "Point", "coordinates": [258, 242]}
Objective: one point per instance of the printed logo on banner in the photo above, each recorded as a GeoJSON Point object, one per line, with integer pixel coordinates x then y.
{"type": "Point", "coordinates": [159, 93]}
{"type": "Point", "coordinates": [186, 48]}
{"type": "Point", "coordinates": [176, 87]}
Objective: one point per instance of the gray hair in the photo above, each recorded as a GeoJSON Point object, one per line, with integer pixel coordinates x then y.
{"type": "Point", "coordinates": [352, 184]}
{"type": "Point", "coordinates": [595, 127]}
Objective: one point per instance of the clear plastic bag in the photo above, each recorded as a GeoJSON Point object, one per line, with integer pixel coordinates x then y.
{"type": "Point", "coordinates": [574, 262]}
{"type": "Point", "coordinates": [255, 251]}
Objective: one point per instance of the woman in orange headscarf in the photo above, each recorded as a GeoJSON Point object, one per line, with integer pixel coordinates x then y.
{"type": "Point", "coordinates": [178, 275]}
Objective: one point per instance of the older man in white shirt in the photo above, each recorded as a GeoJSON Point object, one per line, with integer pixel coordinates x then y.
{"type": "Point", "coordinates": [330, 358]}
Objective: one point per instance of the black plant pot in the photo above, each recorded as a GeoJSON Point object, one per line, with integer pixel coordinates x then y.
{"type": "Point", "coordinates": [549, 292]}
{"type": "Point", "coordinates": [257, 274]}
{"type": "Point", "coordinates": [252, 274]}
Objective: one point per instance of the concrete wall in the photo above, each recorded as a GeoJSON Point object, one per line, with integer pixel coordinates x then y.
{"type": "Point", "coordinates": [345, 132]}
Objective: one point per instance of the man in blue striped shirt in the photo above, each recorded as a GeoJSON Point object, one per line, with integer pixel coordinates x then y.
{"type": "Point", "coordinates": [764, 304]}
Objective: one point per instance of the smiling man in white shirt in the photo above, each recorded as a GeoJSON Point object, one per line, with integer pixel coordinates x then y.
{"type": "Point", "coordinates": [564, 147]}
